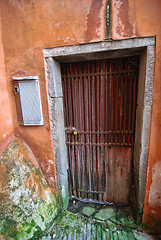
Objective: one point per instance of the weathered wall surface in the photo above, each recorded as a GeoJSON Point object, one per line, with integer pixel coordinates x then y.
{"type": "Point", "coordinates": [30, 26]}
{"type": "Point", "coordinates": [27, 204]}
{"type": "Point", "coordinates": [6, 126]}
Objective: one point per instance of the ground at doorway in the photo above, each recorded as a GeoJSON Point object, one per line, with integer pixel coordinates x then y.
{"type": "Point", "coordinates": [87, 220]}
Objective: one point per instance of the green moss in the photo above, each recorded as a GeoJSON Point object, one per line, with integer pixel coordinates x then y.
{"type": "Point", "coordinates": [38, 233]}
{"type": "Point", "coordinates": [69, 223]}
{"type": "Point", "coordinates": [8, 227]}
{"type": "Point", "coordinates": [24, 213]}
{"type": "Point", "coordinates": [27, 229]}
{"type": "Point", "coordinates": [107, 213]}
{"type": "Point", "coordinates": [13, 233]}
{"type": "Point", "coordinates": [88, 211]}
{"type": "Point", "coordinates": [6, 224]}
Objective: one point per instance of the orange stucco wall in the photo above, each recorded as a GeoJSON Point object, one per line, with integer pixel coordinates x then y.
{"type": "Point", "coordinates": [6, 126]}
{"type": "Point", "coordinates": [28, 26]}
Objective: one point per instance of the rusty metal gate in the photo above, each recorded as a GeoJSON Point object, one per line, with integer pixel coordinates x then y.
{"type": "Point", "coordinates": [100, 105]}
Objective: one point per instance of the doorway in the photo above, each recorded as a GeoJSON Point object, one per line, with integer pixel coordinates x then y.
{"type": "Point", "coordinates": [54, 57]}
{"type": "Point", "coordinates": [99, 106]}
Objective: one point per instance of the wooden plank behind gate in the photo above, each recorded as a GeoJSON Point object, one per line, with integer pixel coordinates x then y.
{"type": "Point", "coordinates": [100, 105]}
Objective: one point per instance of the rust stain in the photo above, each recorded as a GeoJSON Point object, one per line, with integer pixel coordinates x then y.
{"type": "Point", "coordinates": [123, 13]}
{"type": "Point", "coordinates": [125, 25]}
{"type": "Point", "coordinates": [121, 172]}
{"type": "Point", "coordinates": [93, 20]}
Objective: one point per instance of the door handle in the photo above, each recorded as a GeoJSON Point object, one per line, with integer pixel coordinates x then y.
{"type": "Point", "coordinates": [71, 130]}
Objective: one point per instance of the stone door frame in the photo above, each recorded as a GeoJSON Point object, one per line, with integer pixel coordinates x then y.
{"type": "Point", "coordinates": [145, 47]}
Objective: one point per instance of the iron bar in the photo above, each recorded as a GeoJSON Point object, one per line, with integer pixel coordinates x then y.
{"type": "Point", "coordinates": [100, 144]}
{"type": "Point", "coordinates": [83, 127]}
{"type": "Point", "coordinates": [98, 73]}
{"type": "Point", "coordinates": [97, 125]}
{"type": "Point", "coordinates": [93, 124]}
{"type": "Point", "coordinates": [74, 108]}
{"type": "Point", "coordinates": [103, 132]}
{"type": "Point", "coordinates": [89, 124]}
{"type": "Point", "coordinates": [90, 191]}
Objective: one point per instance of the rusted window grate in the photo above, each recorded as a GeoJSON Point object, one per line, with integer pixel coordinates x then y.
{"type": "Point", "coordinates": [100, 105]}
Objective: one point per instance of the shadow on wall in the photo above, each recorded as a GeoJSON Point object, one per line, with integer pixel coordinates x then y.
{"type": "Point", "coordinates": [27, 204]}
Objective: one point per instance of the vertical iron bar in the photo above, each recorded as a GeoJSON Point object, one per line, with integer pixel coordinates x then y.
{"type": "Point", "coordinates": [93, 125]}
{"type": "Point", "coordinates": [86, 128]}
{"type": "Point", "coordinates": [89, 126]}
{"type": "Point", "coordinates": [81, 128]}
{"type": "Point", "coordinates": [103, 137]}
{"type": "Point", "coordinates": [71, 138]}
{"type": "Point", "coordinates": [100, 128]}
{"type": "Point", "coordinates": [66, 95]}
{"type": "Point", "coordinates": [116, 114]}
{"type": "Point", "coordinates": [80, 139]}
{"type": "Point", "coordinates": [106, 124]}
{"type": "Point", "coordinates": [77, 126]}
{"type": "Point", "coordinates": [83, 137]}
{"type": "Point", "coordinates": [97, 118]}
{"type": "Point", "coordinates": [112, 128]}
{"type": "Point", "coordinates": [130, 107]}
{"type": "Point", "coordinates": [87, 167]}
{"type": "Point", "coordinates": [125, 101]}
{"type": "Point", "coordinates": [121, 107]}
{"type": "Point", "coordinates": [134, 102]}
{"type": "Point", "coordinates": [112, 107]}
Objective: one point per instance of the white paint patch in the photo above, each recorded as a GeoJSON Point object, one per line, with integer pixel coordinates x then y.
{"type": "Point", "coordinates": [98, 33]}
{"type": "Point", "coordinates": [51, 180]}
{"type": "Point", "coordinates": [48, 197]}
{"type": "Point", "coordinates": [4, 135]}
{"type": "Point", "coordinates": [50, 161]}
{"type": "Point", "coordinates": [155, 188]}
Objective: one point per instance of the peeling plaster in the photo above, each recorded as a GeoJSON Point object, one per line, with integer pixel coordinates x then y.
{"type": "Point", "coordinates": [155, 188]}
{"type": "Point", "coordinates": [94, 20]}
{"type": "Point", "coordinates": [124, 24]}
